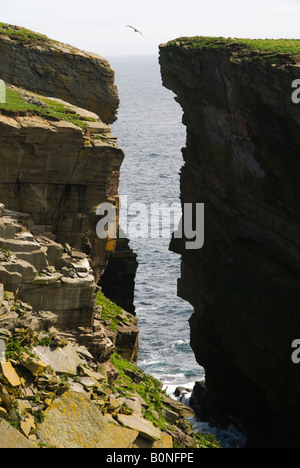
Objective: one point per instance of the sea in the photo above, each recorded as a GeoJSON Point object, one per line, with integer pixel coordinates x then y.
{"type": "Point", "coordinates": [150, 131]}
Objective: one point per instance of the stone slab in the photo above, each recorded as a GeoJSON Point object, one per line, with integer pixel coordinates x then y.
{"type": "Point", "coordinates": [72, 421]}
{"type": "Point", "coordinates": [9, 374]}
{"type": "Point", "coordinates": [114, 436]}
{"type": "Point", "coordinates": [62, 360]}
{"type": "Point", "coordinates": [144, 427]}
{"type": "Point", "coordinates": [12, 438]}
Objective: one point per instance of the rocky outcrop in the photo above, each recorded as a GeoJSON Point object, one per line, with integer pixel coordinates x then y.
{"type": "Point", "coordinates": [59, 158]}
{"type": "Point", "coordinates": [42, 65]}
{"type": "Point", "coordinates": [242, 161]}
{"type": "Point", "coordinates": [59, 167]}
{"type": "Point", "coordinates": [43, 273]}
{"type": "Point", "coordinates": [121, 327]}
{"type": "Point", "coordinates": [62, 355]}
{"type": "Point", "coordinates": [49, 377]}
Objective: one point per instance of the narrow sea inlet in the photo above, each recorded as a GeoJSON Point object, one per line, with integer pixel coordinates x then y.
{"type": "Point", "coordinates": [150, 131]}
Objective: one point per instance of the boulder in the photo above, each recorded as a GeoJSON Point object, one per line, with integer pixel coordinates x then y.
{"type": "Point", "coordinates": [72, 421]}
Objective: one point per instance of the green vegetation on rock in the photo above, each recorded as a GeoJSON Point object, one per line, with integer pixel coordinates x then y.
{"type": "Point", "coordinates": [24, 35]}
{"type": "Point", "coordinates": [150, 389]}
{"type": "Point", "coordinates": [270, 48]}
{"type": "Point", "coordinates": [132, 380]}
{"type": "Point", "coordinates": [114, 395]}
{"type": "Point", "coordinates": [20, 102]}
{"type": "Point", "coordinates": [112, 314]}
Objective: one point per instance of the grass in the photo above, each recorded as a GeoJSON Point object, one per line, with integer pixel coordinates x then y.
{"type": "Point", "coordinates": [5, 253]}
{"type": "Point", "coordinates": [15, 349]}
{"type": "Point", "coordinates": [110, 313]}
{"type": "Point", "coordinates": [270, 47]}
{"type": "Point", "coordinates": [150, 389]}
{"type": "Point", "coordinates": [24, 35]}
{"type": "Point", "coordinates": [16, 104]}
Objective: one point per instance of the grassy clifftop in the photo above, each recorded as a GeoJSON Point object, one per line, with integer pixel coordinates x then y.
{"type": "Point", "coordinates": [24, 35]}
{"type": "Point", "coordinates": [43, 65]}
{"type": "Point", "coordinates": [269, 48]}
{"type": "Point", "coordinates": [21, 102]}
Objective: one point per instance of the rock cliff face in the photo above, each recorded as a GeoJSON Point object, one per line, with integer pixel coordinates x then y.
{"type": "Point", "coordinates": [42, 65]}
{"type": "Point", "coordinates": [242, 161]}
{"type": "Point", "coordinates": [81, 157]}
{"type": "Point", "coordinates": [43, 273]}
{"type": "Point", "coordinates": [59, 172]}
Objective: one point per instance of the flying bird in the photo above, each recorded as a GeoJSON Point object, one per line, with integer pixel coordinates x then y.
{"type": "Point", "coordinates": [135, 30]}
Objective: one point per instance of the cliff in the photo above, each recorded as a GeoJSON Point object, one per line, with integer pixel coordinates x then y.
{"type": "Point", "coordinates": [55, 117]}
{"type": "Point", "coordinates": [59, 162]}
{"type": "Point", "coordinates": [242, 161]}
{"type": "Point", "coordinates": [42, 65]}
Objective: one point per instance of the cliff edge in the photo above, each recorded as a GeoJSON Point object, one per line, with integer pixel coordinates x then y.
{"type": "Point", "coordinates": [33, 61]}
{"type": "Point", "coordinates": [242, 161]}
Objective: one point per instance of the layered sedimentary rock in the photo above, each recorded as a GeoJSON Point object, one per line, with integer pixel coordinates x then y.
{"type": "Point", "coordinates": [242, 161]}
{"type": "Point", "coordinates": [42, 65]}
{"type": "Point", "coordinates": [59, 160]}
{"type": "Point", "coordinates": [46, 275]}
{"type": "Point", "coordinates": [59, 172]}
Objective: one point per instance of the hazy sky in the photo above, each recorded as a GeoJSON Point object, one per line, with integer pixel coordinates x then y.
{"type": "Point", "coordinates": [99, 26]}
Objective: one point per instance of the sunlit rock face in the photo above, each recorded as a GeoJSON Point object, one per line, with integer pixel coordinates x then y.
{"type": "Point", "coordinates": [59, 175]}
{"type": "Point", "coordinates": [42, 65]}
{"type": "Point", "coordinates": [60, 166]}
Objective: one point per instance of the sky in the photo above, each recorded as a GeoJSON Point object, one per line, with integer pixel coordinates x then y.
{"type": "Point", "coordinates": [99, 26]}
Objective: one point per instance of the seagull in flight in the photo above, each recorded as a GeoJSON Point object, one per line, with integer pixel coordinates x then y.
{"type": "Point", "coordinates": [135, 30]}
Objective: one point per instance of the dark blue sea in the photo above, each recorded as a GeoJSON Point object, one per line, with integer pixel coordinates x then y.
{"type": "Point", "coordinates": [150, 131]}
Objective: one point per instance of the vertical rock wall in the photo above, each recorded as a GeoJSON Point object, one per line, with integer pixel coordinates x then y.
{"type": "Point", "coordinates": [53, 172]}
{"type": "Point", "coordinates": [242, 160]}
